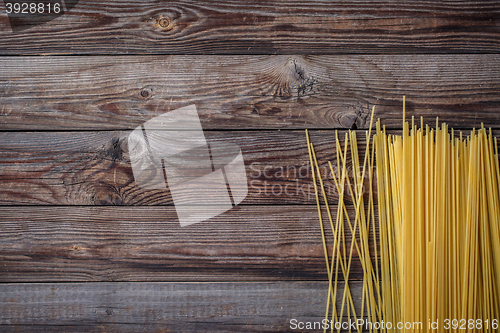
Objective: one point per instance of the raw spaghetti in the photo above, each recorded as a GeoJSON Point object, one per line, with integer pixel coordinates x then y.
{"type": "Point", "coordinates": [436, 256]}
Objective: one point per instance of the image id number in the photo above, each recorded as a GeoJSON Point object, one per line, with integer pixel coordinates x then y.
{"type": "Point", "coordinates": [33, 8]}
{"type": "Point", "coordinates": [470, 324]}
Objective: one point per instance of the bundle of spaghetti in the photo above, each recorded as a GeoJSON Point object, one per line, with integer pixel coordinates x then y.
{"type": "Point", "coordinates": [338, 235]}
{"type": "Point", "coordinates": [436, 257]}
{"type": "Point", "coordinates": [360, 228]}
{"type": "Point", "coordinates": [439, 221]}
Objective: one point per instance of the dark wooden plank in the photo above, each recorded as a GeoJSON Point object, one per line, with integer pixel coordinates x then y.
{"type": "Point", "coordinates": [163, 307]}
{"type": "Point", "coordinates": [93, 168]}
{"type": "Point", "coordinates": [247, 243]}
{"type": "Point", "coordinates": [248, 92]}
{"type": "Point", "coordinates": [262, 27]}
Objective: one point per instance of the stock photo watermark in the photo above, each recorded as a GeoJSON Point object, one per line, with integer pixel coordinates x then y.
{"type": "Point", "coordinates": [294, 181]}
{"type": "Point", "coordinates": [447, 324]}
{"type": "Point", "coordinates": [205, 180]}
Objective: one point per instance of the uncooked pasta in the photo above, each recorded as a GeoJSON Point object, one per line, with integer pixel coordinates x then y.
{"type": "Point", "coordinates": [423, 220]}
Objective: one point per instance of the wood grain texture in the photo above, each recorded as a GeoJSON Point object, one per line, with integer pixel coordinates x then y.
{"type": "Point", "coordinates": [262, 27]}
{"type": "Point", "coordinates": [247, 243]}
{"type": "Point", "coordinates": [93, 168]}
{"type": "Point", "coordinates": [163, 307]}
{"type": "Point", "coordinates": [248, 92]}
{"type": "Point", "coordinates": [84, 249]}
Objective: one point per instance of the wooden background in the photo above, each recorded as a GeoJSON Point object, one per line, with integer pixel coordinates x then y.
{"type": "Point", "coordinates": [83, 249]}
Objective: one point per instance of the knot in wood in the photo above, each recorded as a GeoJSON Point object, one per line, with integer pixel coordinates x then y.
{"type": "Point", "coordinates": [165, 23]}
{"type": "Point", "coordinates": [146, 93]}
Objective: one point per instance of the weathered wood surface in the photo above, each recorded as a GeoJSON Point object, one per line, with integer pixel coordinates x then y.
{"type": "Point", "coordinates": [262, 27]}
{"type": "Point", "coordinates": [266, 66]}
{"type": "Point", "coordinates": [93, 168]}
{"type": "Point", "coordinates": [247, 243]}
{"type": "Point", "coordinates": [248, 92]}
{"type": "Point", "coordinates": [163, 307]}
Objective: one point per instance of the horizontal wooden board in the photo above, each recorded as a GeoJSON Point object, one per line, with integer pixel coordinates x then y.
{"type": "Point", "coordinates": [93, 168]}
{"type": "Point", "coordinates": [248, 92]}
{"type": "Point", "coordinates": [247, 243]}
{"type": "Point", "coordinates": [163, 307]}
{"type": "Point", "coordinates": [261, 27]}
